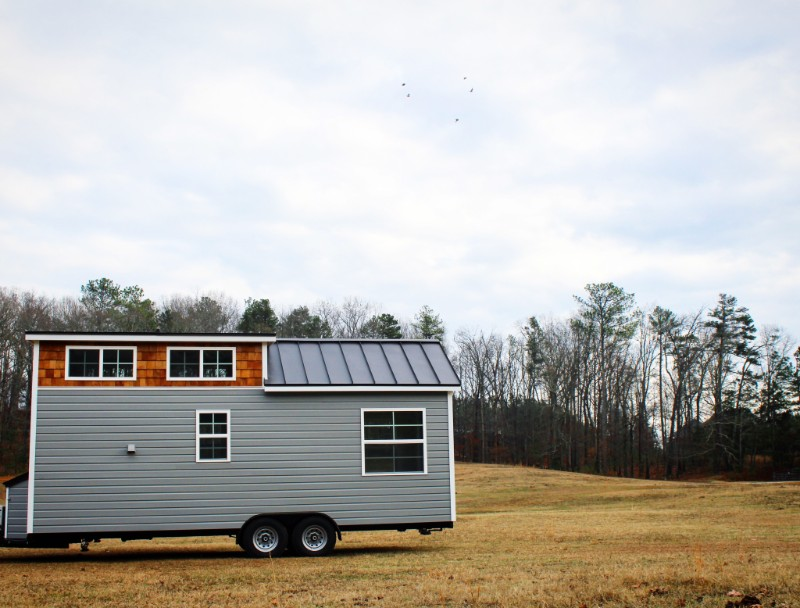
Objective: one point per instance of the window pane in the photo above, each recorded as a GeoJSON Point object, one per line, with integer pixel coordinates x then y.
{"type": "Point", "coordinates": [217, 371]}
{"type": "Point", "coordinates": [409, 465]}
{"type": "Point", "coordinates": [184, 363]}
{"type": "Point", "coordinates": [403, 458]}
{"type": "Point", "coordinates": [378, 465]}
{"type": "Point", "coordinates": [213, 449]}
{"type": "Point", "coordinates": [378, 418]}
{"type": "Point", "coordinates": [408, 418]}
{"type": "Point", "coordinates": [378, 432]}
{"type": "Point", "coordinates": [118, 363]}
{"type": "Point", "coordinates": [408, 450]}
{"type": "Point", "coordinates": [378, 451]}
{"type": "Point", "coordinates": [217, 364]}
{"type": "Point", "coordinates": [213, 423]}
{"type": "Point", "coordinates": [408, 432]}
{"type": "Point", "coordinates": [218, 356]}
{"type": "Point", "coordinates": [185, 357]}
{"type": "Point", "coordinates": [84, 363]}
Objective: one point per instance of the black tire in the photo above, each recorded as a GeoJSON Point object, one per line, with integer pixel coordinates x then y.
{"type": "Point", "coordinates": [264, 537]}
{"type": "Point", "coordinates": [313, 537]}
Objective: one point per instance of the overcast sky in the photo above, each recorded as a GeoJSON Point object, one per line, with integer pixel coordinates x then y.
{"type": "Point", "coordinates": [272, 149]}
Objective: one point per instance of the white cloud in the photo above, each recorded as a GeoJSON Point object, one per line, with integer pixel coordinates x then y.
{"type": "Point", "coordinates": [20, 191]}
{"type": "Point", "coordinates": [271, 151]}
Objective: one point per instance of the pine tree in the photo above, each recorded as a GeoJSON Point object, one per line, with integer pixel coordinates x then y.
{"type": "Point", "coordinates": [428, 325]}
{"type": "Point", "coordinates": [258, 317]}
{"type": "Point", "coordinates": [731, 333]}
{"type": "Point", "coordinates": [384, 326]}
{"type": "Point", "coordinates": [300, 323]}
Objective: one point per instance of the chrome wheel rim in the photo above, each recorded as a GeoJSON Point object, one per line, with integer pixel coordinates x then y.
{"type": "Point", "coordinates": [315, 538]}
{"type": "Point", "coordinates": [265, 539]}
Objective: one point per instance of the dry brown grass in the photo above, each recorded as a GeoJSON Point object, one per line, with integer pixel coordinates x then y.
{"type": "Point", "coordinates": [525, 537]}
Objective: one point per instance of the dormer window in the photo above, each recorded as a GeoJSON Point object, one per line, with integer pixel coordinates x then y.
{"type": "Point", "coordinates": [101, 363]}
{"type": "Point", "coordinates": [201, 363]}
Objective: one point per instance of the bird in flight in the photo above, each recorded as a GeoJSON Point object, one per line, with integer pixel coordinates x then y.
{"type": "Point", "coordinates": [456, 120]}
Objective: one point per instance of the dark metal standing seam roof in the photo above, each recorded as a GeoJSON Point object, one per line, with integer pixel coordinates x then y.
{"type": "Point", "coordinates": [359, 363]}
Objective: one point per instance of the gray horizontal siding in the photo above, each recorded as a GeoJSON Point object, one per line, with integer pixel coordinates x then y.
{"type": "Point", "coordinates": [17, 512]}
{"type": "Point", "coordinates": [290, 453]}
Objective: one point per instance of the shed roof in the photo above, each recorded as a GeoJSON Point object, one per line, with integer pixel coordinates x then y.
{"type": "Point", "coordinates": [15, 480]}
{"type": "Point", "coordinates": [359, 363]}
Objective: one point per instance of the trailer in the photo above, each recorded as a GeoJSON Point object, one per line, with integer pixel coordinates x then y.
{"type": "Point", "coordinates": [278, 443]}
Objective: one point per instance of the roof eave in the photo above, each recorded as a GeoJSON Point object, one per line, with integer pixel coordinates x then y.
{"type": "Point", "coordinates": [117, 337]}
{"type": "Point", "coordinates": [362, 388]}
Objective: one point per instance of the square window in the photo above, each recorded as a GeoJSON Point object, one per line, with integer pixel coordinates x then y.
{"type": "Point", "coordinates": [393, 442]}
{"type": "Point", "coordinates": [184, 363]}
{"type": "Point", "coordinates": [213, 436]}
{"type": "Point", "coordinates": [83, 363]}
{"type": "Point", "coordinates": [117, 363]}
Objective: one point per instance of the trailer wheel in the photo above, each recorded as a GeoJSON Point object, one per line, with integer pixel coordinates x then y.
{"type": "Point", "coordinates": [313, 537]}
{"type": "Point", "coordinates": [264, 537]}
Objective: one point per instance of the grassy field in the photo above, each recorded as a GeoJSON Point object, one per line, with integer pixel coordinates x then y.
{"type": "Point", "coordinates": [524, 537]}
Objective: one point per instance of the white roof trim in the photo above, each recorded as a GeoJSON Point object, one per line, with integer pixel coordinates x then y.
{"type": "Point", "coordinates": [350, 388]}
{"type": "Point", "coordinates": [168, 338]}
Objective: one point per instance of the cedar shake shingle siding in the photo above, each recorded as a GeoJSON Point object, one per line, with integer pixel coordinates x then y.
{"type": "Point", "coordinates": [151, 365]}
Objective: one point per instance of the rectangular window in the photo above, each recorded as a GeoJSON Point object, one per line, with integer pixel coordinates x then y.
{"type": "Point", "coordinates": [213, 436]}
{"type": "Point", "coordinates": [101, 363]}
{"type": "Point", "coordinates": [393, 442]}
{"type": "Point", "coordinates": [201, 364]}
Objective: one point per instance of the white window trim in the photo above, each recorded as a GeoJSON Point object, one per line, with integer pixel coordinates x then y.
{"type": "Point", "coordinates": [198, 436]}
{"type": "Point", "coordinates": [423, 441]}
{"type": "Point", "coordinates": [100, 377]}
{"type": "Point", "coordinates": [201, 349]}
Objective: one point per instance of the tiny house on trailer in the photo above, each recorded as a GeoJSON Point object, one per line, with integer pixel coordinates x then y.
{"type": "Point", "coordinates": [276, 442]}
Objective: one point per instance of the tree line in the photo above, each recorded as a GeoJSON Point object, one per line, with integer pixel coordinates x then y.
{"type": "Point", "coordinates": [613, 389]}
{"type": "Point", "coordinates": [619, 390]}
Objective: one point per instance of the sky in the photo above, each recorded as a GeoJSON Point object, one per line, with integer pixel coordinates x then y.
{"type": "Point", "coordinates": [488, 159]}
